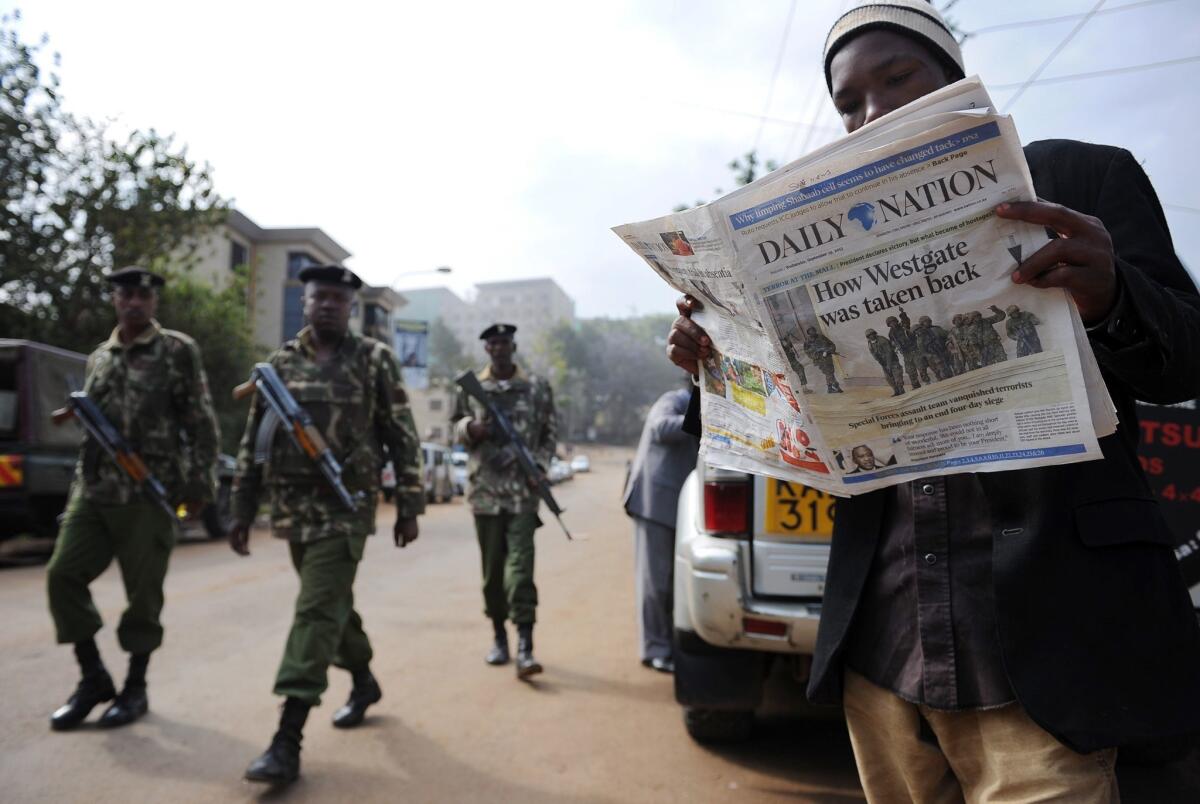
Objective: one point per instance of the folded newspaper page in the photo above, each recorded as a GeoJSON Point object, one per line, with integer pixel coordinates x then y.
{"type": "Point", "coordinates": [866, 328]}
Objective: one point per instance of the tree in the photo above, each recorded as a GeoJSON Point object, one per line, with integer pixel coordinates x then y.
{"type": "Point", "coordinates": [76, 204]}
{"type": "Point", "coordinates": [220, 323]}
{"type": "Point", "coordinates": [606, 373]}
{"type": "Point", "coordinates": [745, 170]}
{"type": "Point", "coordinates": [446, 355]}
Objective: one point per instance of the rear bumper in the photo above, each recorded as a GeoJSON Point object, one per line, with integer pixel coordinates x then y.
{"type": "Point", "coordinates": [713, 592]}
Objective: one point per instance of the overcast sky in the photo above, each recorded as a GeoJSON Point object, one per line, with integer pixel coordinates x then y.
{"type": "Point", "coordinates": [504, 139]}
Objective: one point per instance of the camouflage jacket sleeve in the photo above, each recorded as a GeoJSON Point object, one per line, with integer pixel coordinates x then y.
{"type": "Point", "coordinates": [248, 478]}
{"type": "Point", "coordinates": [460, 416]}
{"type": "Point", "coordinates": [397, 432]}
{"type": "Point", "coordinates": [548, 437]}
{"type": "Point", "coordinates": [198, 422]}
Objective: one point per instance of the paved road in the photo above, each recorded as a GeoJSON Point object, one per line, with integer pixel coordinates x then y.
{"type": "Point", "coordinates": [596, 727]}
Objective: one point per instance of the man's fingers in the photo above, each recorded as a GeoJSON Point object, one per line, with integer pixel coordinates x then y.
{"type": "Point", "coordinates": [1059, 218]}
{"type": "Point", "coordinates": [686, 332]}
{"type": "Point", "coordinates": [686, 304]}
{"type": "Point", "coordinates": [1068, 251]}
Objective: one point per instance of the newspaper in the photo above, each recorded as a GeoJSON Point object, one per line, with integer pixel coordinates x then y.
{"type": "Point", "coordinates": [866, 330]}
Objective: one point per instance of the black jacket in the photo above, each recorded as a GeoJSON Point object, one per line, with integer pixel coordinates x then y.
{"type": "Point", "coordinates": [1097, 631]}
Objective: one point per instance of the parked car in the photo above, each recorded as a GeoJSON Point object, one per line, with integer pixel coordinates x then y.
{"type": "Point", "coordinates": [219, 515]}
{"type": "Point", "coordinates": [458, 471]}
{"type": "Point", "coordinates": [560, 470]}
{"type": "Point", "coordinates": [37, 458]}
{"type": "Point", "coordinates": [750, 559]}
{"type": "Point", "coordinates": [439, 485]}
{"type": "Point", "coordinates": [581, 463]}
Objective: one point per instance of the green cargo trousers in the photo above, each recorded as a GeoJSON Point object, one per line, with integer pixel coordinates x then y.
{"type": "Point", "coordinates": [140, 536]}
{"type": "Point", "coordinates": [506, 548]}
{"type": "Point", "coordinates": [325, 629]}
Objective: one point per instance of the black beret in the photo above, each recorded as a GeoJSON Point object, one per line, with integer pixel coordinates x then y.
{"type": "Point", "coordinates": [135, 277]}
{"type": "Point", "coordinates": [335, 274]}
{"type": "Point", "coordinates": [496, 330]}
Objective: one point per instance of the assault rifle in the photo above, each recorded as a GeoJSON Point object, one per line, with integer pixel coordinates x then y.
{"type": "Point", "coordinates": [509, 436]}
{"type": "Point", "coordinates": [304, 434]}
{"type": "Point", "coordinates": [81, 407]}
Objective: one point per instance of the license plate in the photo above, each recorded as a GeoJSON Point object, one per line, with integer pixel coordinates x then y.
{"type": "Point", "coordinates": [795, 510]}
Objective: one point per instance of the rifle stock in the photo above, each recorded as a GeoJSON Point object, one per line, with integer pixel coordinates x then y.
{"type": "Point", "coordinates": [300, 427]}
{"type": "Point", "coordinates": [81, 407]}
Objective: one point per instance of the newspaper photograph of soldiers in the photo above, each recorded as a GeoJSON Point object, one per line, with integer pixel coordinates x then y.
{"type": "Point", "coordinates": [879, 272]}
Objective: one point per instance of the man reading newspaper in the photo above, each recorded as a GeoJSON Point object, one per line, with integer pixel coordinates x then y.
{"type": "Point", "coordinates": [999, 635]}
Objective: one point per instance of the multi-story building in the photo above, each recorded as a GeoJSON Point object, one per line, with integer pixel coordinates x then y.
{"type": "Point", "coordinates": [535, 306]}
{"type": "Point", "coordinates": [273, 257]}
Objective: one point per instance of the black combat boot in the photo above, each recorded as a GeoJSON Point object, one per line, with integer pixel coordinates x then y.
{"type": "Point", "coordinates": [499, 652]}
{"type": "Point", "coordinates": [364, 693]}
{"type": "Point", "coordinates": [526, 665]}
{"type": "Point", "coordinates": [94, 688]}
{"type": "Point", "coordinates": [280, 763]}
{"type": "Point", "coordinates": [132, 702]}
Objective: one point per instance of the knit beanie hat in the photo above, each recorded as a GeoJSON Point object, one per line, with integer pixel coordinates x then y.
{"type": "Point", "coordinates": [916, 19]}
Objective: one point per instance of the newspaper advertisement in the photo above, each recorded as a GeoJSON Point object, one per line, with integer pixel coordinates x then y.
{"type": "Point", "coordinates": [866, 328]}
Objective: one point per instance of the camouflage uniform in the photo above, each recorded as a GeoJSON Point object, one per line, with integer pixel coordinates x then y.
{"type": "Point", "coordinates": [505, 507]}
{"type": "Point", "coordinates": [358, 402]}
{"type": "Point", "coordinates": [820, 351]}
{"type": "Point", "coordinates": [155, 393]}
{"type": "Point", "coordinates": [1021, 327]}
{"type": "Point", "coordinates": [932, 341]}
{"type": "Point", "coordinates": [885, 354]}
{"type": "Point", "coordinates": [966, 344]}
{"type": "Point", "coordinates": [900, 334]}
{"type": "Point", "coordinates": [991, 348]}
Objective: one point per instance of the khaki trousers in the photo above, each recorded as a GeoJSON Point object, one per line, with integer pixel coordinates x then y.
{"type": "Point", "coordinates": [980, 755]}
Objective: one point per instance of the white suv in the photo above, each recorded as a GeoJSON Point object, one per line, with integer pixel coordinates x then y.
{"type": "Point", "coordinates": [750, 560]}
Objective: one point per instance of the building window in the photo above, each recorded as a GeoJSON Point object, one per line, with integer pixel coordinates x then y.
{"type": "Point", "coordinates": [293, 310]}
{"type": "Point", "coordinates": [435, 404]}
{"type": "Point", "coordinates": [299, 260]}
{"type": "Point", "coordinates": [435, 434]}
{"type": "Point", "coordinates": [239, 255]}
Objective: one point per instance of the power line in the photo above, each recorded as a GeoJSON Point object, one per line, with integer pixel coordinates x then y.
{"type": "Point", "coordinates": [817, 108]}
{"type": "Point", "coordinates": [1008, 26]}
{"type": "Point", "coordinates": [1133, 68]}
{"type": "Point", "coordinates": [787, 30]}
{"type": "Point", "coordinates": [1046, 63]}
{"type": "Point", "coordinates": [1182, 208]}
{"type": "Point", "coordinates": [741, 113]}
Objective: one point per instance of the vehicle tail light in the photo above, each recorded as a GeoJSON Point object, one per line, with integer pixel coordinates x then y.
{"type": "Point", "coordinates": [753, 625]}
{"type": "Point", "coordinates": [727, 505]}
{"type": "Point", "coordinates": [12, 470]}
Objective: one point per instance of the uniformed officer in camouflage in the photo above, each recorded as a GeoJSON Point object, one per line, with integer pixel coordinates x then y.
{"type": "Point", "coordinates": [932, 342]}
{"type": "Point", "coordinates": [789, 350]}
{"type": "Point", "coordinates": [991, 348]}
{"type": "Point", "coordinates": [900, 334]}
{"type": "Point", "coordinates": [820, 351]}
{"type": "Point", "coordinates": [504, 502]}
{"type": "Point", "coordinates": [965, 349]}
{"type": "Point", "coordinates": [885, 354]}
{"type": "Point", "coordinates": [149, 383]}
{"type": "Point", "coordinates": [352, 388]}
{"type": "Point", "coordinates": [1021, 327]}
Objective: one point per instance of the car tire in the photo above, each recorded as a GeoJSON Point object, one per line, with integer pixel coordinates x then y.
{"type": "Point", "coordinates": [718, 725]}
